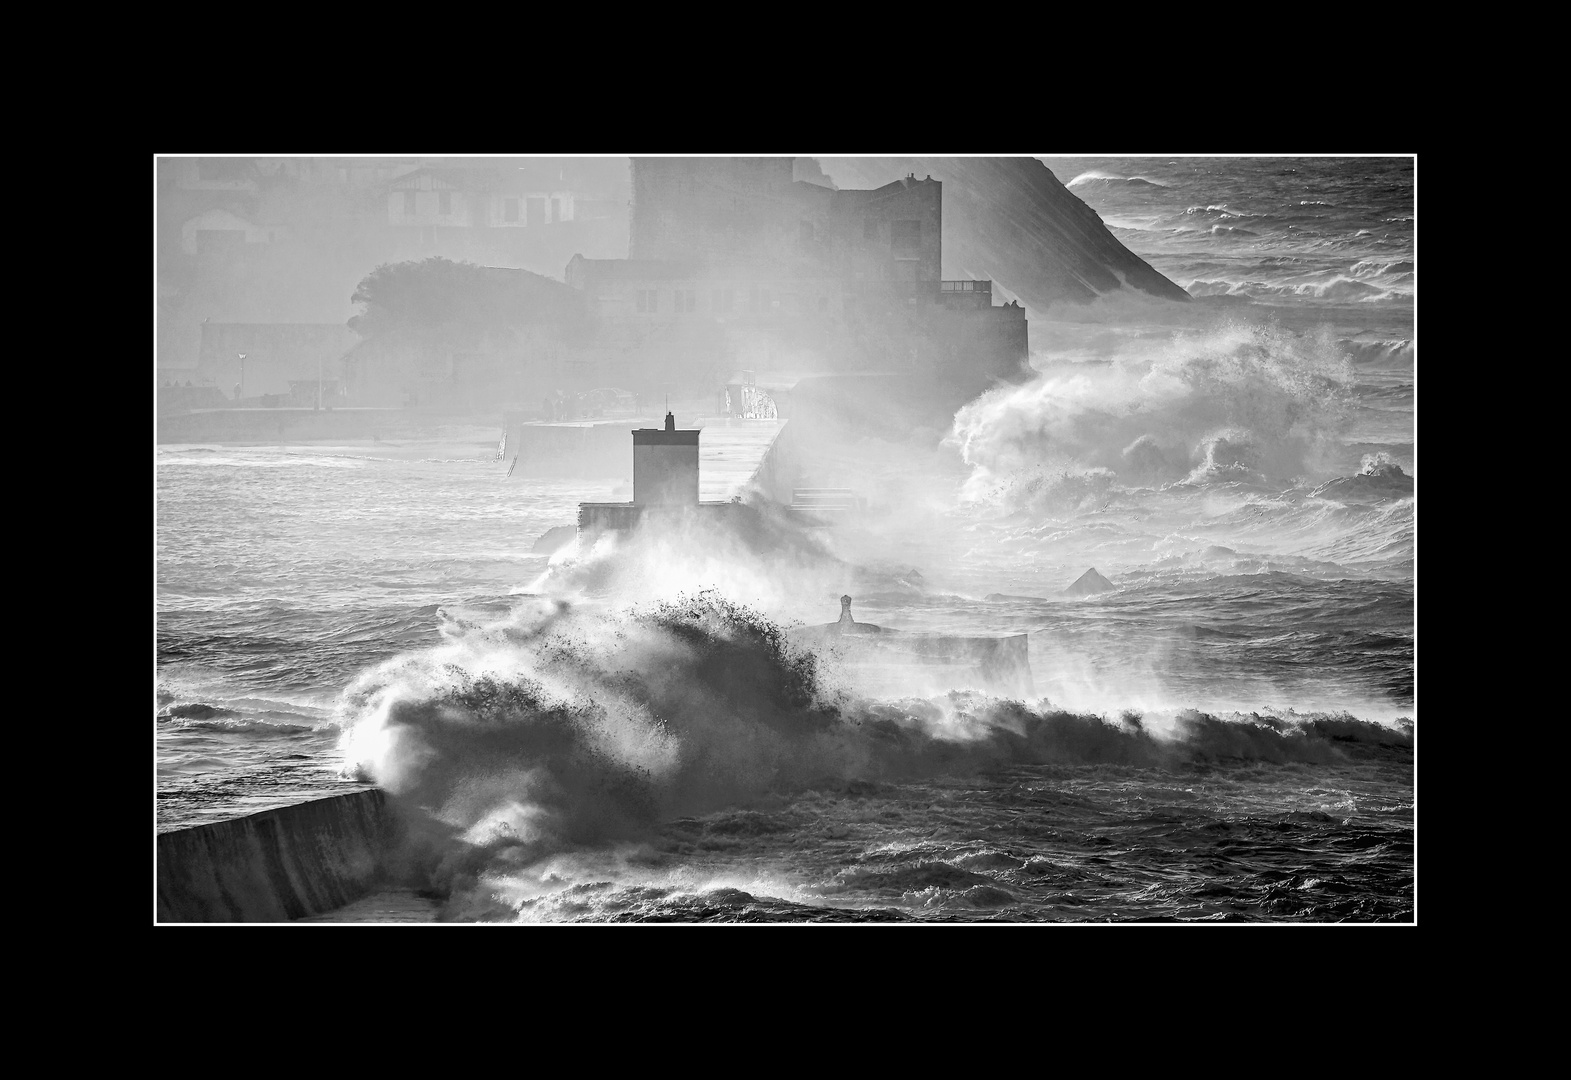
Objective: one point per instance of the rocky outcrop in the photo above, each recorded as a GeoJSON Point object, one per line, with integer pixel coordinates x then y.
{"type": "Point", "coordinates": [1089, 584]}
{"type": "Point", "coordinates": [1012, 221]}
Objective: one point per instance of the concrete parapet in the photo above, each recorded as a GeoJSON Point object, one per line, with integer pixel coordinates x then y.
{"type": "Point", "coordinates": [278, 864]}
{"type": "Point", "coordinates": [270, 425]}
{"type": "Point", "coordinates": [582, 448]}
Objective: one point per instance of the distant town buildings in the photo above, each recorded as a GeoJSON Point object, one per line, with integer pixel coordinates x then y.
{"type": "Point", "coordinates": [285, 241]}
{"type": "Point", "coordinates": [730, 264]}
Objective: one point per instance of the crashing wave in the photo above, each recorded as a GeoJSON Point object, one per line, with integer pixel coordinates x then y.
{"type": "Point", "coordinates": [565, 728]}
{"type": "Point", "coordinates": [1380, 479]}
{"type": "Point", "coordinates": [1096, 176]}
{"type": "Point", "coordinates": [1261, 397]}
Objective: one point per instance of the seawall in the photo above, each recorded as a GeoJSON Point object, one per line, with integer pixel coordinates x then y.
{"type": "Point", "coordinates": [573, 448]}
{"type": "Point", "coordinates": [271, 425]}
{"type": "Point", "coordinates": [277, 865]}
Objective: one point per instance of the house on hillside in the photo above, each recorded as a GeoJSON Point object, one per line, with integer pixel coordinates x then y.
{"type": "Point", "coordinates": [220, 232]}
{"type": "Point", "coordinates": [488, 198]}
{"type": "Point", "coordinates": [533, 216]}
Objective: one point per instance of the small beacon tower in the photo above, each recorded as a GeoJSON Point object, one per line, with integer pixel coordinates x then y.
{"type": "Point", "coordinates": [665, 465]}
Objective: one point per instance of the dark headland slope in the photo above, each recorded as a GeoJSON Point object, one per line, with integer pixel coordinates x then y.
{"type": "Point", "coordinates": [1012, 221]}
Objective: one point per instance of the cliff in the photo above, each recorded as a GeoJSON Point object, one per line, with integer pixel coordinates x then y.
{"type": "Point", "coordinates": [1011, 220]}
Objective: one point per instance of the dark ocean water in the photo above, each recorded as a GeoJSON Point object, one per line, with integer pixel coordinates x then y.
{"type": "Point", "coordinates": [624, 734]}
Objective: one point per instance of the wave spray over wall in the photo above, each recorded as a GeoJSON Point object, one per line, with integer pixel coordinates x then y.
{"type": "Point", "coordinates": [548, 746]}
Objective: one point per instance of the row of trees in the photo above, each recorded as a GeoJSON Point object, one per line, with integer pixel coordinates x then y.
{"type": "Point", "coordinates": [461, 304]}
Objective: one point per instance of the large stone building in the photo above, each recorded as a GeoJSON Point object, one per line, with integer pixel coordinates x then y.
{"type": "Point", "coordinates": [733, 263]}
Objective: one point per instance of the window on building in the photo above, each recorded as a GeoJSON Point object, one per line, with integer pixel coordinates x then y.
{"type": "Point", "coordinates": [556, 209]}
{"type": "Point", "coordinates": [509, 209]}
{"type": "Point", "coordinates": [870, 229]}
{"type": "Point", "coordinates": [907, 237]}
{"type": "Point", "coordinates": [444, 202]}
{"type": "Point", "coordinates": [409, 204]}
{"type": "Point", "coordinates": [643, 300]}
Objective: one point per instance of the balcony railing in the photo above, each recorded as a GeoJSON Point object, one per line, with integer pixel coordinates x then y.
{"type": "Point", "coordinates": [966, 287]}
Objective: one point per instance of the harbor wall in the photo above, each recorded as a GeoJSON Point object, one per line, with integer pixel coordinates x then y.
{"type": "Point", "coordinates": [891, 662]}
{"type": "Point", "coordinates": [777, 472]}
{"type": "Point", "coordinates": [272, 424]}
{"type": "Point", "coordinates": [596, 449]}
{"type": "Point", "coordinates": [277, 865]}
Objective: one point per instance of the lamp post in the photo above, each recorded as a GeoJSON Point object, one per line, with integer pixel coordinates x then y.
{"type": "Point", "coordinates": [241, 383]}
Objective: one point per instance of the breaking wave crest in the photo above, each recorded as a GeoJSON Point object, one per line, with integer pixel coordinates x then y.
{"type": "Point", "coordinates": [1243, 401]}
{"type": "Point", "coordinates": [1338, 288]}
{"type": "Point", "coordinates": [1096, 176]}
{"type": "Point", "coordinates": [556, 728]}
{"type": "Point", "coordinates": [1399, 353]}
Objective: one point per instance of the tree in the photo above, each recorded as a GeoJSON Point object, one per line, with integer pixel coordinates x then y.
{"type": "Point", "coordinates": [462, 303]}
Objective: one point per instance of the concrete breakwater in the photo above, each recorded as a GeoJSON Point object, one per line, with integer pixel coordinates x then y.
{"type": "Point", "coordinates": [269, 425]}
{"type": "Point", "coordinates": [571, 448]}
{"type": "Point", "coordinates": [895, 663]}
{"type": "Point", "coordinates": [279, 864]}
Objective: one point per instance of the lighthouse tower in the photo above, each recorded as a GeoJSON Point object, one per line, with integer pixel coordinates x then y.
{"type": "Point", "coordinates": [665, 465]}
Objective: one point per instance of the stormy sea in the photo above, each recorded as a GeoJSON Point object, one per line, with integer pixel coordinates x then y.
{"type": "Point", "coordinates": [1221, 721]}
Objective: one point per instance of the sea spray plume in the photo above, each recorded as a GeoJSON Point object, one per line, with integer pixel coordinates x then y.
{"type": "Point", "coordinates": [1265, 399]}
{"type": "Point", "coordinates": [747, 551]}
{"type": "Point", "coordinates": [559, 730]}
{"type": "Point", "coordinates": [566, 727]}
